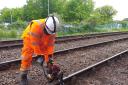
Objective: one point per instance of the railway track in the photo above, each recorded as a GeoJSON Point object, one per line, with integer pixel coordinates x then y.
{"type": "Point", "coordinates": [111, 71]}
{"type": "Point", "coordinates": [70, 60]}
{"type": "Point", "coordinates": [18, 43]}
{"type": "Point", "coordinates": [12, 53]}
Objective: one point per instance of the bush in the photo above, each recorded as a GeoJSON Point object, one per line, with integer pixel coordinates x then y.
{"type": "Point", "coordinates": [17, 25]}
{"type": "Point", "coordinates": [4, 34]}
{"type": "Point", "coordinates": [2, 26]}
{"type": "Point", "coordinates": [12, 34]}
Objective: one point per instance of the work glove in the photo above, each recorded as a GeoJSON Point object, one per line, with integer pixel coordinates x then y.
{"type": "Point", "coordinates": [52, 73]}
{"type": "Point", "coordinates": [40, 59]}
{"type": "Point", "coordinates": [51, 61]}
{"type": "Point", "coordinates": [55, 69]}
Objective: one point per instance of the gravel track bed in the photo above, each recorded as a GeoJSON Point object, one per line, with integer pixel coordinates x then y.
{"type": "Point", "coordinates": [85, 42]}
{"type": "Point", "coordinates": [14, 42]}
{"type": "Point", "coordinates": [114, 73]}
{"type": "Point", "coordinates": [14, 53]}
{"type": "Point", "coordinates": [69, 62]}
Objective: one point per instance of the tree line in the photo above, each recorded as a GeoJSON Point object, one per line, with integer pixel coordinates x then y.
{"type": "Point", "coordinates": [69, 10]}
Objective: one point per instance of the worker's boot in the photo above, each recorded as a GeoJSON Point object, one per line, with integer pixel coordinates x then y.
{"type": "Point", "coordinates": [24, 80]}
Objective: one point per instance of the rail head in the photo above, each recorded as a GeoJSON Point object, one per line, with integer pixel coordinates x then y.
{"type": "Point", "coordinates": [8, 63]}
{"type": "Point", "coordinates": [17, 43]}
{"type": "Point", "coordinates": [89, 68]}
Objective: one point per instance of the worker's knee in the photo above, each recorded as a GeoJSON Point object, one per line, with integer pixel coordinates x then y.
{"type": "Point", "coordinates": [26, 58]}
{"type": "Point", "coordinates": [25, 63]}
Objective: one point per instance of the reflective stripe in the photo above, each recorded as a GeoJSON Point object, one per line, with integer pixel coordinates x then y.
{"type": "Point", "coordinates": [51, 40]}
{"type": "Point", "coordinates": [52, 37]}
{"type": "Point", "coordinates": [35, 43]}
{"type": "Point", "coordinates": [24, 58]}
{"type": "Point", "coordinates": [24, 69]}
{"type": "Point", "coordinates": [34, 35]}
{"type": "Point", "coordinates": [50, 44]}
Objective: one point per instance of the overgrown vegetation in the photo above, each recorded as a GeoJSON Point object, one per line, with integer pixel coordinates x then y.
{"type": "Point", "coordinates": [77, 17]}
{"type": "Point", "coordinates": [8, 34]}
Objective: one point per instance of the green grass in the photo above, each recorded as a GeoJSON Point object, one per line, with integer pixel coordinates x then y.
{"type": "Point", "coordinates": [15, 34]}
{"type": "Point", "coordinates": [7, 34]}
{"type": "Point", "coordinates": [60, 34]}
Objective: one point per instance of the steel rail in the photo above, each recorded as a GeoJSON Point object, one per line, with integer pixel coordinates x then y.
{"type": "Point", "coordinates": [18, 43]}
{"type": "Point", "coordinates": [91, 67]}
{"type": "Point", "coordinates": [91, 35]}
{"type": "Point", "coordinates": [4, 65]}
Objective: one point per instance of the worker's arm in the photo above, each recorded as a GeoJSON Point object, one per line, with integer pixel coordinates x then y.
{"type": "Point", "coordinates": [35, 38]}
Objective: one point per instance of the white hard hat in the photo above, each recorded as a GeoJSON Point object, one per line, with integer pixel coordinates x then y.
{"type": "Point", "coordinates": [52, 23]}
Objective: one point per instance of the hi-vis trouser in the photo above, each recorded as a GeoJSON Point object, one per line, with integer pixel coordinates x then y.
{"type": "Point", "coordinates": [26, 56]}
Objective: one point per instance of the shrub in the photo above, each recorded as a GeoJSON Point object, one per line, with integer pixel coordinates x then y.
{"type": "Point", "coordinates": [17, 25]}
{"type": "Point", "coordinates": [2, 26]}
{"type": "Point", "coordinates": [12, 34]}
{"type": "Point", "coordinates": [6, 34]}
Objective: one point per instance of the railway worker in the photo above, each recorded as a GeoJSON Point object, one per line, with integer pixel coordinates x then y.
{"type": "Point", "coordinates": [38, 39]}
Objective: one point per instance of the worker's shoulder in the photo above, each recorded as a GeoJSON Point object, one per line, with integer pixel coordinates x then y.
{"type": "Point", "coordinates": [34, 22]}
{"type": "Point", "coordinates": [38, 21]}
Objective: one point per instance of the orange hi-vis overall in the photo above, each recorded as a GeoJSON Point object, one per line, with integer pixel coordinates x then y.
{"type": "Point", "coordinates": [35, 41]}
